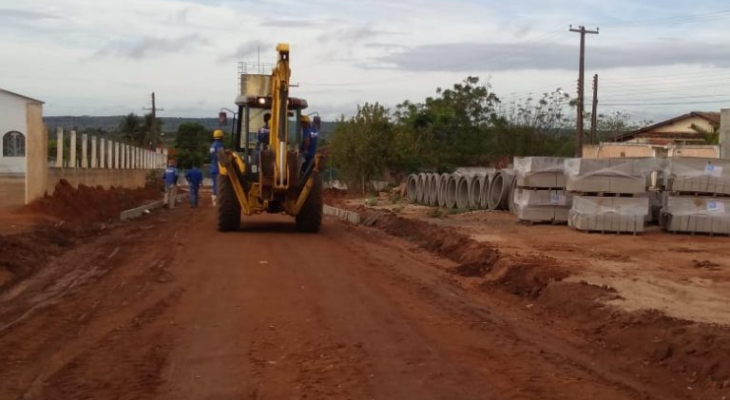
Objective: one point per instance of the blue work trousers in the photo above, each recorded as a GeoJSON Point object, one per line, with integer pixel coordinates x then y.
{"type": "Point", "coordinates": [193, 195]}
{"type": "Point", "coordinates": [214, 177]}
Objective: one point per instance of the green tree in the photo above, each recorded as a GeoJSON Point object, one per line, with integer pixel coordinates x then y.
{"type": "Point", "coordinates": [361, 146]}
{"type": "Point", "coordinates": [710, 136]}
{"type": "Point", "coordinates": [449, 129]}
{"type": "Point", "coordinates": [191, 144]}
{"type": "Point", "coordinates": [132, 129]}
{"type": "Point", "coordinates": [535, 127]}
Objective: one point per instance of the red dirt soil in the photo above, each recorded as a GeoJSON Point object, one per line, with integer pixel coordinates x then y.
{"type": "Point", "coordinates": [80, 210]}
{"type": "Point", "coordinates": [86, 204]}
{"type": "Point", "coordinates": [697, 353]}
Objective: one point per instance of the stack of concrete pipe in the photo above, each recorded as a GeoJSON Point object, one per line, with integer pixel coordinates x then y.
{"type": "Point", "coordinates": [465, 188]}
{"type": "Point", "coordinates": [501, 190]}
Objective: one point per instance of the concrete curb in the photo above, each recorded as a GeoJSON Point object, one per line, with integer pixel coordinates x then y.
{"type": "Point", "coordinates": [139, 211]}
{"type": "Point", "coordinates": [343, 215]}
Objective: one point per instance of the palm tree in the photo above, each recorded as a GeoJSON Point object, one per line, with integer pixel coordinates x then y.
{"type": "Point", "coordinates": [131, 128]}
{"type": "Point", "coordinates": [712, 136]}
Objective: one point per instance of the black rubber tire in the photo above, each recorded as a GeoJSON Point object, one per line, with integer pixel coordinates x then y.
{"type": "Point", "coordinates": [229, 211]}
{"type": "Point", "coordinates": [309, 218]}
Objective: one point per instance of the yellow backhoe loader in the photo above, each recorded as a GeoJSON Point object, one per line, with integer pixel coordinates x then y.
{"type": "Point", "coordinates": [269, 177]}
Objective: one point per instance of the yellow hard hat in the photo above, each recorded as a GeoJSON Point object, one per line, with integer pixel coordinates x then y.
{"type": "Point", "coordinates": [304, 119]}
{"type": "Point", "coordinates": [217, 134]}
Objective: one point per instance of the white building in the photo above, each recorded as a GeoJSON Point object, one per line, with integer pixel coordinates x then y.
{"type": "Point", "coordinates": [13, 130]}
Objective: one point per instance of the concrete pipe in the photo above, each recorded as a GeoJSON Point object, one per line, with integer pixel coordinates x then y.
{"type": "Point", "coordinates": [475, 191]}
{"type": "Point", "coordinates": [451, 186]}
{"type": "Point", "coordinates": [486, 184]}
{"type": "Point", "coordinates": [411, 188]}
{"type": "Point", "coordinates": [499, 190]}
{"type": "Point", "coordinates": [511, 206]}
{"type": "Point", "coordinates": [434, 190]}
{"type": "Point", "coordinates": [462, 192]}
{"type": "Point", "coordinates": [427, 189]}
{"type": "Point", "coordinates": [426, 194]}
{"type": "Point", "coordinates": [443, 183]}
{"type": "Point", "coordinates": [421, 192]}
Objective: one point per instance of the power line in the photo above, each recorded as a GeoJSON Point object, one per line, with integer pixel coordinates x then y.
{"type": "Point", "coordinates": [678, 19]}
{"type": "Point", "coordinates": [726, 100]}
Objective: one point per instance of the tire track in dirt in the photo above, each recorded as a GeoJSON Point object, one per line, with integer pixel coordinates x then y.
{"type": "Point", "coordinates": [633, 358]}
{"type": "Point", "coordinates": [71, 315]}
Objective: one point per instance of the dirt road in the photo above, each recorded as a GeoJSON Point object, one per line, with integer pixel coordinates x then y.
{"type": "Point", "coordinates": [168, 308]}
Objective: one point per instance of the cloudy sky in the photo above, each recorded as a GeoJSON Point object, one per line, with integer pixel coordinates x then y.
{"type": "Point", "coordinates": [91, 57]}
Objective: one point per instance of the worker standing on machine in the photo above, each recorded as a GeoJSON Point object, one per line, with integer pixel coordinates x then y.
{"type": "Point", "coordinates": [309, 141]}
{"type": "Point", "coordinates": [194, 178]}
{"type": "Point", "coordinates": [170, 179]}
{"type": "Point", "coordinates": [263, 133]}
{"type": "Point", "coordinates": [217, 144]}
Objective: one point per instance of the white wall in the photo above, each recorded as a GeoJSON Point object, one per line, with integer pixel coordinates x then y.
{"type": "Point", "coordinates": [12, 118]}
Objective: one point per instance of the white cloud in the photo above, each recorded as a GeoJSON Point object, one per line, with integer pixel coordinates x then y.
{"type": "Point", "coordinates": [92, 57]}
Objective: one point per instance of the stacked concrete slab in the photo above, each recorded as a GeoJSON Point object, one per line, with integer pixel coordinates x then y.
{"type": "Point", "coordinates": [610, 195]}
{"type": "Point", "coordinates": [697, 196]}
{"type": "Point", "coordinates": [609, 214]}
{"type": "Point", "coordinates": [539, 190]}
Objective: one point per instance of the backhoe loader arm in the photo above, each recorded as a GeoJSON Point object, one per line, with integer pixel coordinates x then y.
{"type": "Point", "coordinates": [278, 139]}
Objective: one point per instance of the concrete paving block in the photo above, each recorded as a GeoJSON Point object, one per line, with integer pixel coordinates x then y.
{"type": "Point", "coordinates": [696, 214]}
{"type": "Point", "coordinates": [606, 223]}
{"type": "Point", "coordinates": [610, 175]}
{"type": "Point", "coordinates": [542, 205]}
{"type": "Point", "coordinates": [609, 214]}
{"type": "Point", "coordinates": [701, 175]}
{"type": "Point", "coordinates": [540, 172]}
{"type": "Point", "coordinates": [343, 215]}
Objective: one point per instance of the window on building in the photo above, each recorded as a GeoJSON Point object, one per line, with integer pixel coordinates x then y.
{"type": "Point", "coordinates": [13, 144]}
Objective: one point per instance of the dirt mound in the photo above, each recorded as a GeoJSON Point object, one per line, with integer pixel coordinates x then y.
{"type": "Point", "coordinates": [475, 259]}
{"type": "Point", "coordinates": [334, 197]}
{"type": "Point", "coordinates": [23, 254]}
{"type": "Point", "coordinates": [86, 204]}
{"type": "Point", "coordinates": [526, 276]}
{"type": "Point", "coordinates": [699, 352]}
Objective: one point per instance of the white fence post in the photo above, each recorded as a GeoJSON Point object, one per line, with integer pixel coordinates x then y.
{"type": "Point", "coordinates": [84, 150]}
{"type": "Point", "coordinates": [59, 147]}
{"type": "Point", "coordinates": [93, 160]}
{"type": "Point", "coordinates": [118, 155]}
{"type": "Point", "coordinates": [102, 152]}
{"type": "Point", "coordinates": [110, 158]}
{"type": "Point", "coordinates": [72, 151]}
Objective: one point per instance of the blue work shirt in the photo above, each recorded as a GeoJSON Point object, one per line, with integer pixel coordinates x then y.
{"type": "Point", "coordinates": [217, 144]}
{"type": "Point", "coordinates": [194, 177]}
{"type": "Point", "coordinates": [263, 136]}
{"type": "Point", "coordinates": [309, 132]}
{"type": "Point", "coordinates": [170, 176]}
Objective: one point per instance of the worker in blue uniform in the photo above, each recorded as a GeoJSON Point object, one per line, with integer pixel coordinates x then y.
{"type": "Point", "coordinates": [309, 141]}
{"type": "Point", "coordinates": [263, 133]}
{"type": "Point", "coordinates": [169, 177]}
{"type": "Point", "coordinates": [214, 147]}
{"type": "Point", "coordinates": [194, 177]}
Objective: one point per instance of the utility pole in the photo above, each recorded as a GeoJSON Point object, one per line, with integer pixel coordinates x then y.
{"type": "Point", "coordinates": [154, 130]}
{"type": "Point", "coordinates": [581, 85]}
{"type": "Point", "coordinates": [594, 110]}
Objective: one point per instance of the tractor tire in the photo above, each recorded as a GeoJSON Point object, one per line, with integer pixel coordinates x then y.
{"type": "Point", "coordinates": [229, 211]}
{"type": "Point", "coordinates": [309, 218]}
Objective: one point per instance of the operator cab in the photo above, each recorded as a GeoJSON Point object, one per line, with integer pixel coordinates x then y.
{"type": "Point", "coordinates": [252, 110]}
